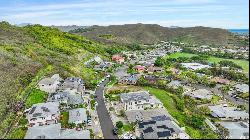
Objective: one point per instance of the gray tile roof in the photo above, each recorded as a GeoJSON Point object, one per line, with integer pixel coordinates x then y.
{"type": "Point", "coordinates": [200, 94]}
{"type": "Point", "coordinates": [43, 132]}
{"type": "Point", "coordinates": [76, 115]}
{"type": "Point", "coordinates": [244, 88]}
{"type": "Point", "coordinates": [43, 110]}
{"type": "Point", "coordinates": [135, 96]}
{"type": "Point", "coordinates": [237, 130]}
{"type": "Point", "coordinates": [222, 112]}
{"type": "Point", "coordinates": [54, 131]}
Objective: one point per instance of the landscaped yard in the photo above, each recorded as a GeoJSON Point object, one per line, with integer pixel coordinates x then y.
{"type": "Point", "coordinates": [243, 63]}
{"type": "Point", "coordinates": [170, 105]}
{"type": "Point", "coordinates": [36, 96]}
{"type": "Point", "coordinates": [64, 119]}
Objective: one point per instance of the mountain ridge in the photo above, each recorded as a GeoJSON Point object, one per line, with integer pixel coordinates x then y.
{"type": "Point", "coordinates": [153, 33]}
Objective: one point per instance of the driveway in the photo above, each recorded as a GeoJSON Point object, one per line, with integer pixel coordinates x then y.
{"type": "Point", "coordinates": [103, 115]}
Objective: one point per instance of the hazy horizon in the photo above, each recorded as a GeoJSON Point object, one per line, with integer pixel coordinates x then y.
{"type": "Point", "coordinates": [226, 14]}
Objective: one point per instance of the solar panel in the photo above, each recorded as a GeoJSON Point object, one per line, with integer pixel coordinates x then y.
{"type": "Point", "coordinates": [160, 118]}
{"type": "Point", "coordinates": [163, 134]}
{"type": "Point", "coordinates": [148, 130]}
{"type": "Point", "coordinates": [37, 114]}
{"type": "Point", "coordinates": [32, 110]}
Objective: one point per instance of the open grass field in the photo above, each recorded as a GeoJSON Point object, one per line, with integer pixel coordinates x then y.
{"type": "Point", "coordinates": [243, 63]}
{"type": "Point", "coordinates": [170, 105]}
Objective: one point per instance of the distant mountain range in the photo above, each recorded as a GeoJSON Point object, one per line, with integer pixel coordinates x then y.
{"type": "Point", "coordinates": [68, 28]}
{"type": "Point", "coordinates": [153, 33]}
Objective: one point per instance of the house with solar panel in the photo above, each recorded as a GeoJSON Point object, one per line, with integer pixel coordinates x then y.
{"type": "Point", "coordinates": [43, 114]}
{"type": "Point", "coordinates": [66, 98]}
{"type": "Point", "coordinates": [155, 124]}
{"type": "Point", "coordinates": [72, 85]}
{"type": "Point", "coordinates": [139, 101]}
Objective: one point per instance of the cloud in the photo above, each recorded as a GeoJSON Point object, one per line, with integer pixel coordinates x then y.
{"type": "Point", "coordinates": [105, 12]}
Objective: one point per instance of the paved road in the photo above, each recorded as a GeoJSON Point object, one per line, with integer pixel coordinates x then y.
{"type": "Point", "coordinates": [103, 115]}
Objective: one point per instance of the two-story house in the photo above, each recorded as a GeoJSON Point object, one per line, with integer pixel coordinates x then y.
{"type": "Point", "coordinates": [43, 114]}
{"type": "Point", "coordinates": [49, 85]}
{"type": "Point", "coordinates": [73, 85]}
{"type": "Point", "coordinates": [139, 100]}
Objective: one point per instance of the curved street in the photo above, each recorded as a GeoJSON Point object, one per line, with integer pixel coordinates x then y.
{"type": "Point", "coordinates": [104, 118]}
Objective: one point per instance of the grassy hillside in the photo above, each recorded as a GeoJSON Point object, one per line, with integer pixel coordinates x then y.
{"type": "Point", "coordinates": [152, 33]}
{"type": "Point", "coordinates": [26, 52]}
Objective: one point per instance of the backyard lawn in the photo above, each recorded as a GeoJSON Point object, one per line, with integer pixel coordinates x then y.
{"type": "Point", "coordinates": [36, 96]}
{"type": "Point", "coordinates": [64, 119]}
{"type": "Point", "coordinates": [169, 104]}
{"type": "Point", "coordinates": [243, 63]}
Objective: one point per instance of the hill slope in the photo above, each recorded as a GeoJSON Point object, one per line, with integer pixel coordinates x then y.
{"type": "Point", "coordinates": [152, 33]}
{"type": "Point", "coordinates": [27, 51]}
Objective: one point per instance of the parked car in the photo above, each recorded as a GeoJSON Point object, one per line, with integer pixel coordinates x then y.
{"type": "Point", "coordinates": [115, 131]}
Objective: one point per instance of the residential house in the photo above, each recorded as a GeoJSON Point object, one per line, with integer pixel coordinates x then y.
{"type": "Point", "coordinates": [155, 124]}
{"type": "Point", "coordinates": [43, 114]}
{"type": "Point", "coordinates": [129, 80]}
{"type": "Point", "coordinates": [73, 85]}
{"type": "Point", "coordinates": [237, 130]}
{"type": "Point", "coordinates": [61, 97]}
{"type": "Point", "coordinates": [194, 66]}
{"type": "Point", "coordinates": [220, 80]}
{"type": "Point", "coordinates": [174, 84]}
{"type": "Point", "coordinates": [241, 88]}
{"type": "Point", "coordinates": [66, 97]}
{"type": "Point", "coordinates": [139, 68]}
{"type": "Point", "coordinates": [54, 131]}
{"type": "Point", "coordinates": [232, 113]}
{"type": "Point", "coordinates": [49, 84]}
{"type": "Point", "coordinates": [118, 59]}
{"type": "Point", "coordinates": [77, 116]}
{"type": "Point", "coordinates": [153, 69]}
{"type": "Point", "coordinates": [139, 100]}
{"type": "Point", "coordinates": [174, 71]}
{"type": "Point", "coordinates": [200, 94]}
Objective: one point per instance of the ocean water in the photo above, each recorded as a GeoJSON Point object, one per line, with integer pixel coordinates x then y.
{"type": "Point", "coordinates": [239, 31]}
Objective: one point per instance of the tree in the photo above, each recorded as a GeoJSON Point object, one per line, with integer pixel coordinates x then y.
{"type": "Point", "coordinates": [195, 121]}
{"type": "Point", "coordinates": [159, 61]}
{"type": "Point", "coordinates": [119, 124]}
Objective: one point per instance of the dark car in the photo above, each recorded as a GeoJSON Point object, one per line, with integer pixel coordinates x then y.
{"type": "Point", "coordinates": [115, 131]}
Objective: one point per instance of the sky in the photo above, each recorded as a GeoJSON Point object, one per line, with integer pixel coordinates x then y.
{"type": "Point", "coordinates": [227, 14]}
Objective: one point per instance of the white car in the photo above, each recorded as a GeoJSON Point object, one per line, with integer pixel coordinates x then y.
{"type": "Point", "coordinates": [108, 76]}
{"type": "Point", "coordinates": [98, 85]}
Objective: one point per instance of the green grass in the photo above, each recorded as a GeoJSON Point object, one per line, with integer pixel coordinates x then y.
{"type": "Point", "coordinates": [215, 99]}
{"type": "Point", "coordinates": [243, 63]}
{"type": "Point", "coordinates": [64, 118]}
{"type": "Point", "coordinates": [169, 104]}
{"type": "Point", "coordinates": [17, 133]}
{"type": "Point", "coordinates": [127, 127]}
{"type": "Point", "coordinates": [36, 96]}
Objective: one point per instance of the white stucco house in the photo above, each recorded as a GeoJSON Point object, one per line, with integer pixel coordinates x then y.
{"type": "Point", "coordinates": [49, 84]}
{"type": "Point", "coordinates": [139, 101]}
